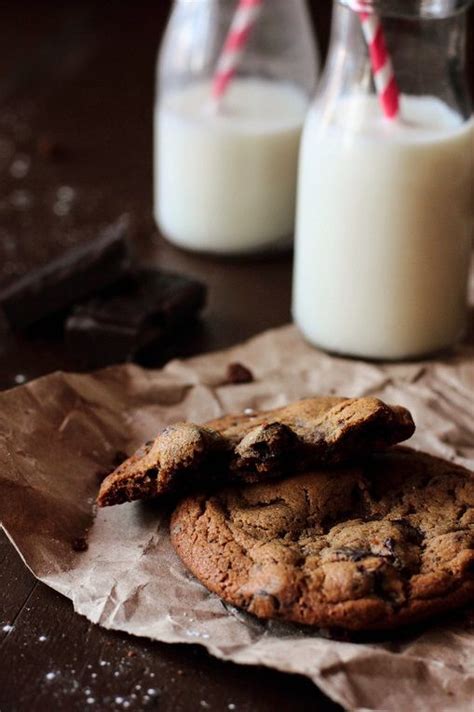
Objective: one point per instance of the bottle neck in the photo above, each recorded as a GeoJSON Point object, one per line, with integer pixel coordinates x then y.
{"type": "Point", "coordinates": [280, 46]}
{"type": "Point", "coordinates": [435, 9]}
{"type": "Point", "coordinates": [428, 56]}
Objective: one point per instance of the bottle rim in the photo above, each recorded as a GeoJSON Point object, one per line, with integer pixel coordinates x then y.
{"type": "Point", "coordinates": [429, 9]}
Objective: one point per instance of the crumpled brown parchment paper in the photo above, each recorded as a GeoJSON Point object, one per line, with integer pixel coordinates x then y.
{"type": "Point", "coordinates": [59, 432]}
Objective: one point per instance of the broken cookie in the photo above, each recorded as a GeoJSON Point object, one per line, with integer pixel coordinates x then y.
{"type": "Point", "coordinates": [260, 446]}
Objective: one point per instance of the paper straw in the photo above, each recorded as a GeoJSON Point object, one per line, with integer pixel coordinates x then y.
{"type": "Point", "coordinates": [382, 69]}
{"type": "Point", "coordinates": [244, 19]}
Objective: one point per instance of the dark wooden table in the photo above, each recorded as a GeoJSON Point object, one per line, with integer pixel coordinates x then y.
{"type": "Point", "coordinates": [76, 100]}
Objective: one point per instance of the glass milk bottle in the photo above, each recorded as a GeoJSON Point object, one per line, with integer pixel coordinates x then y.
{"type": "Point", "coordinates": [226, 169]}
{"type": "Point", "coordinates": [386, 207]}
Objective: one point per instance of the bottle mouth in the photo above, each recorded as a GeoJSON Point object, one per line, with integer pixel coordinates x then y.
{"type": "Point", "coordinates": [433, 9]}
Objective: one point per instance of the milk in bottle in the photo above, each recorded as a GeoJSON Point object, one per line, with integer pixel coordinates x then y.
{"type": "Point", "coordinates": [227, 179]}
{"type": "Point", "coordinates": [225, 165]}
{"type": "Point", "coordinates": [384, 228]}
{"type": "Point", "coordinates": [385, 211]}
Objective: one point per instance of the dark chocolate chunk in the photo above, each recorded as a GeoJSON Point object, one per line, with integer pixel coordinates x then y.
{"type": "Point", "coordinates": [134, 313]}
{"type": "Point", "coordinates": [79, 272]}
{"type": "Point", "coordinates": [238, 373]}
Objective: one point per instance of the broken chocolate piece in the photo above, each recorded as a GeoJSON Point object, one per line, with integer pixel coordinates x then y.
{"type": "Point", "coordinates": [135, 313]}
{"type": "Point", "coordinates": [74, 275]}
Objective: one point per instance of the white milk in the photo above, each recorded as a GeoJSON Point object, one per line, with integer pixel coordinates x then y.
{"type": "Point", "coordinates": [384, 225]}
{"type": "Point", "coordinates": [226, 181]}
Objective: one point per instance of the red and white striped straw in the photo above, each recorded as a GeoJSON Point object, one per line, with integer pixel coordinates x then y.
{"type": "Point", "coordinates": [382, 69]}
{"type": "Point", "coordinates": [244, 19]}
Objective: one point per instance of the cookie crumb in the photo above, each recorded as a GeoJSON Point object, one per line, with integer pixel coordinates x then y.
{"type": "Point", "coordinates": [47, 147]}
{"type": "Point", "coordinates": [238, 373]}
{"type": "Point", "coordinates": [80, 544]}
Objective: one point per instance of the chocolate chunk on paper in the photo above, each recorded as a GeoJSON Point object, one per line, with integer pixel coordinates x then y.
{"type": "Point", "coordinates": [58, 433]}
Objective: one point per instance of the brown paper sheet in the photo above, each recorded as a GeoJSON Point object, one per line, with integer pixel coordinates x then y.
{"type": "Point", "coordinates": [58, 432]}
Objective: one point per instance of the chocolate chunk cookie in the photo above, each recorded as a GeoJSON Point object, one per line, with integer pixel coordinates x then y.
{"type": "Point", "coordinates": [251, 448]}
{"type": "Point", "coordinates": [371, 547]}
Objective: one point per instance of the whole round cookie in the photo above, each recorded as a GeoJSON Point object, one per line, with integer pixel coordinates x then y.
{"type": "Point", "coordinates": [372, 547]}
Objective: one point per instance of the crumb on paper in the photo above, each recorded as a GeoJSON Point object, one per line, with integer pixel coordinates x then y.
{"type": "Point", "coordinates": [238, 373]}
{"type": "Point", "coordinates": [49, 148]}
{"type": "Point", "coordinates": [80, 544]}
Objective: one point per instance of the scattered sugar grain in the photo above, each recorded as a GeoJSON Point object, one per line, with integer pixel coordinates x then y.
{"type": "Point", "coordinates": [20, 166]}
{"type": "Point", "coordinates": [61, 208]}
{"type": "Point", "coordinates": [21, 199]}
{"type": "Point", "coordinates": [66, 193]}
